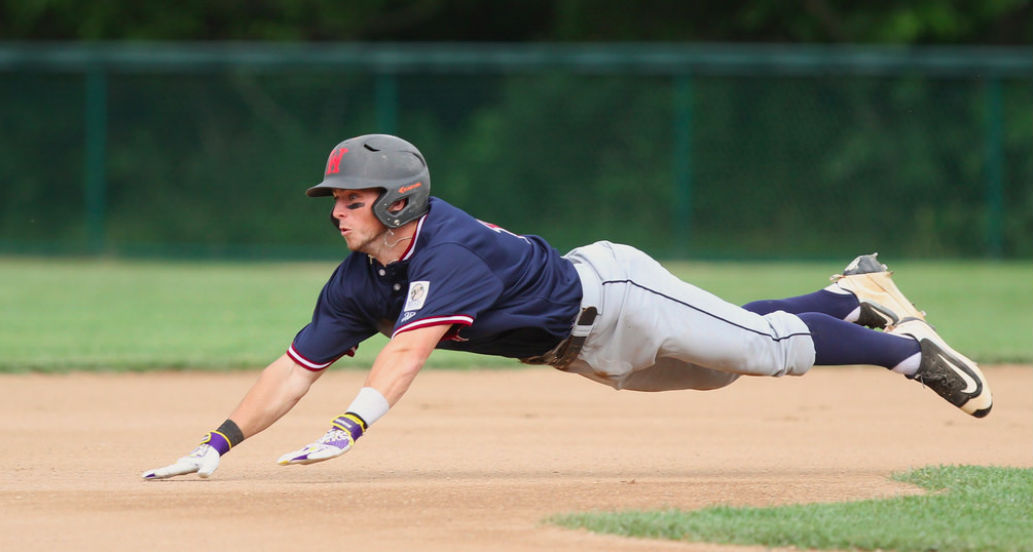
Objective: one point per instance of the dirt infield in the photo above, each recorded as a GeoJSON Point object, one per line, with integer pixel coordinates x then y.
{"type": "Point", "coordinates": [468, 460]}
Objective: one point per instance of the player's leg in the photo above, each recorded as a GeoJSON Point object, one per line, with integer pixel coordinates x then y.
{"type": "Point", "coordinates": [719, 335]}
{"type": "Point", "coordinates": [837, 342]}
{"type": "Point", "coordinates": [653, 317]}
{"type": "Point", "coordinates": [842, 299]}
{"type": "Point", "coordinates": [863, 294]}
{"type": "Point", "coordinates": [950, 374]}
{"type": "Point", "coordinates": [911, 348]}
{"type": "Point", "coordinates": [909, 345]}
{"type": "Point", "coordinates": [838, 303]}
{"type": "Point", "coordinates": [647, 314]}
{"type": "Point", "coordinates": [663, 317]}
{"type": "Point", "coordinates": [668, 374]}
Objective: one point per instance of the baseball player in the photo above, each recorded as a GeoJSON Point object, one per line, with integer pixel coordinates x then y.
{"type": "Point", "coordinates": [431, 276]}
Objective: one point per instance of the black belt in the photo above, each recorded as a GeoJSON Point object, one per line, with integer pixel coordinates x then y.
{"type": "Point", "coordinates": [567, 350]}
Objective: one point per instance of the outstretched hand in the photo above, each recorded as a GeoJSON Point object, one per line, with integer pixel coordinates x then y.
{"type": "Point", "coordinates": [331, 445]}
{"type": "Point", "coordinates": [203, 460]}
{"type": "Point", "coordinates": [339, 440]}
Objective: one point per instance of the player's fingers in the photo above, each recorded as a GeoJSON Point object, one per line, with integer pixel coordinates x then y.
{"type": "Point", "coordinates": [208, 463]}
{"type": "Point", "coordinates": [326, 452]}
{"type": "Point", "coordinates": [172, 470]}
{"type": "Point", "coordinates": [316, 452]}
{"type": "Point", "coordinates": [299, 456]}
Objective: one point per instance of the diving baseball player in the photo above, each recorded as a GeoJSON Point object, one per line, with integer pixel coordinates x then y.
{"type": "Point", "coordinates": [431, 276]}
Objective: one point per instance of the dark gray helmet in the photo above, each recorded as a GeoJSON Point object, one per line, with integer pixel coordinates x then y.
{"type": "Point", "coordinates": [379, 161]}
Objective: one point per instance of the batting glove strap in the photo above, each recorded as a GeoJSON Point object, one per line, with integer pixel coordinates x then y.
{"type": "Point", "coordinates": [344, 431]}
{"type": "Point", "coordinates": [351, 423]}
{"type": "Point", "coordinates": [217, 441]}
{"type": "Point", "coordinates": [227, 436]}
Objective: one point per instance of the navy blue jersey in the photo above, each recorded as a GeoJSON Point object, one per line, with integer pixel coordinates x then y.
{"type": "Point", "coordinates": [502, 294]}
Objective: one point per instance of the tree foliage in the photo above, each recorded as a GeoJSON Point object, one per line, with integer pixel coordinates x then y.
{"type": "Point", "coordinates": [814, 21]}
{"type": "Point", "coordinates": [210, 159]}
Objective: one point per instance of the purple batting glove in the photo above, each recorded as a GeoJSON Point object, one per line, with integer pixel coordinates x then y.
{"type": "Point", "coordinates": [339, 440]}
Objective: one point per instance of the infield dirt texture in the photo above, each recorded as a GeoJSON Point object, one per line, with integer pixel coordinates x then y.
{"type": "Point", "coordinates": [468, 460]}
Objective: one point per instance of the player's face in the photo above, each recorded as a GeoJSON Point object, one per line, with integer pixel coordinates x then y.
{"type": "Point", "coordinates": [353, 211]}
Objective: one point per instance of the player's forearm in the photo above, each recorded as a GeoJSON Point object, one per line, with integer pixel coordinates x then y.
{"type": "Point", "coordinates": [401, 359]}
{"type": "Point", "coordinates": [280, 386]}
{"type": "Point", "coordinates": [393, 373]}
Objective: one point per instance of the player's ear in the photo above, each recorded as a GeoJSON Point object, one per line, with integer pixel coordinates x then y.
{"type": "Point", "coordinates": [398, 205]}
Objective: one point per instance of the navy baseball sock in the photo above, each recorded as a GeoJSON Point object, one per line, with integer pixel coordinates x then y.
{"type": "Point", "coordinates": [837, 342]}
{"type": "Point", "coordinates": [838, 305]}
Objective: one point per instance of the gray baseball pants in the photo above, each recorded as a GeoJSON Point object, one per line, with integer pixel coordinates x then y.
{"type": "Point", "coordinates": [655, 332]}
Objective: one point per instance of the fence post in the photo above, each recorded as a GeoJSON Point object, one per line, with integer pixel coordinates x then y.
{"type": "Point", "coordinates": [387, 103]}
{"type": "Point", "coordinates": [95, 158]}
{"type": "Point", "coordinates": [994, 168]}
{"type": "Point", "coordinates": [682, 165]}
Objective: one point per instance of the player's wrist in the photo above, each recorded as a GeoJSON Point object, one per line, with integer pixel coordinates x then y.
{"type": "Point", "coordinates": [351, 424]}
{"type": "Point", "coordinates": [224, 438]}
{"type": "Point", "coordinates": [369, 405]}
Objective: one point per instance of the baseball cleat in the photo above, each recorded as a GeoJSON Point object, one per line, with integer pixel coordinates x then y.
{"type": "Point", "coordinates": [882, 304]}
{"type": "Point", "coordinates": [953, 376]}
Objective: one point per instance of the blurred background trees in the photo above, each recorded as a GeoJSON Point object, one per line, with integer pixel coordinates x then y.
{"type": "Point", "coordinates": [814, 21]}
{"type": "Point", "coordinates": [202, 160]}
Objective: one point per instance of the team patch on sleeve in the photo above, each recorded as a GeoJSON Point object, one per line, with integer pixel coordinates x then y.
{"type": "Point", "coordinates": [417, 295]}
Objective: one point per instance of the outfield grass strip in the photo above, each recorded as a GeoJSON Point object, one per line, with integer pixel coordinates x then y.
{"type": "Point", "coordinates": [59, 315]}
{"type": "Point", "coordinates": [968, 508]}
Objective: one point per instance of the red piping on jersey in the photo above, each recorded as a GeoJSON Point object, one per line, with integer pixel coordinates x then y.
{"type": "Point", "coordinates": [310, 365]}
{"type": "Point", "coordinates": [412, 242]}
{"type": "Point", "coordinates": [461, 319]}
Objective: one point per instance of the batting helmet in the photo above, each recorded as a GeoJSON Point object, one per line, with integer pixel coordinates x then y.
{"type": "Point", "coordinates": [379, 161]}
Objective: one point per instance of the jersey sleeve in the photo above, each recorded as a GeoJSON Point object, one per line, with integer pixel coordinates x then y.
{"type": "Point", "coordinates": [336, 328]}
{"type": "Point", "coordinates": [452, 286]}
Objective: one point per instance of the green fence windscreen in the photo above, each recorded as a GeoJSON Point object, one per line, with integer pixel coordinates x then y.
{"type": "Point", "coordinates": [685, 152]}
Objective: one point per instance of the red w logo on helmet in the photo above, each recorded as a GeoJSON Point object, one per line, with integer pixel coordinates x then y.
{"type": "Point", "coordinates": [333, 165]}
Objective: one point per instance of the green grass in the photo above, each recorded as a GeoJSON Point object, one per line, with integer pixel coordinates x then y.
{"type": "Point", "coordinates": [87, 314]}
{"type": "Point", "coordinates": [58, 315]}
{"type": "Point", "coordinates": [969, 508]}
